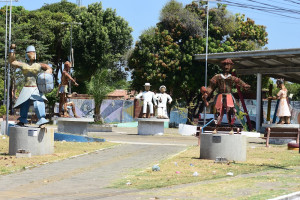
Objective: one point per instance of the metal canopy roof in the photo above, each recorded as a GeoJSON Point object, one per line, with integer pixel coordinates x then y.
{"type": "Point", "coordinates": [282, 63]}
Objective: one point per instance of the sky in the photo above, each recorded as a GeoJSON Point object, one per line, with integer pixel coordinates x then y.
{"type": "Point", "coordinates": [283, 32]}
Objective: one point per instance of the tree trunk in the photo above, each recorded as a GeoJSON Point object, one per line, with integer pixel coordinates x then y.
{"type": "Point", "coordinates": [189, 116]}
{"type": "Point", "coordinates": [97, 115]}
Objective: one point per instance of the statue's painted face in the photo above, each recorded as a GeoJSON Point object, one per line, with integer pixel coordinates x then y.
{"type": "Point", "coordinates": [279, 85]}
{"type": "Point", "coordinates": [31, 55]}
{"type": "Point", "coordinates": [163, 90]}
{"type": "Point", "coordinates": [147, 88]}
{"type": "Point", "coordinates": [67, 65]}
{"type": "Point", "coordinates": [227, 67]}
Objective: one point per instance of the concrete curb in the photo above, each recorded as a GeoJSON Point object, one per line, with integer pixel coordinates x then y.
{"type": "Point", "coordinates": [292, 196]}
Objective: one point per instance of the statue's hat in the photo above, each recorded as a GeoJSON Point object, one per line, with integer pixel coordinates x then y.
{"type": "Point", "coordinates": [30, 48]}
{"type": "Point", "coordinates": [227, 61]}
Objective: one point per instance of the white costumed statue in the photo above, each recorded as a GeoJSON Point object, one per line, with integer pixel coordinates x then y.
{"type": "Point", "coordinates": [162, 99]}
{"type": "Point", "coordinates": [147, 96]}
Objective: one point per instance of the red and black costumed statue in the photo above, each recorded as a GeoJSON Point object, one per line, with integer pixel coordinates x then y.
{"type": "Point", "coordinates": [224, 101]}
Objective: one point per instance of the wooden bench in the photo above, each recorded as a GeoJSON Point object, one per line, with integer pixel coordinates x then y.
{"type": "Point", "coordinates": [281, 131]}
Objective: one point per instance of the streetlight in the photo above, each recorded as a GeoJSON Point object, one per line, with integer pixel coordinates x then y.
{"type": "Point", "coordinates": [206, 51]}
{"type": "Point", "coordinates": [8, 69]}
{"type": "Point", "coordinates": [71, 57]}
{"type": "Point", "coordinates": [5, 54]}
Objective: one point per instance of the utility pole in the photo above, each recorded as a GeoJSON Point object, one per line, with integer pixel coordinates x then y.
{"type": "Point", "coordinates": [206, 51]}
{"type": "Point", "coordinates": [71, 49]}
{"type": "Point", "coordinates": [8, 70]}
{"type": "Point", "coordinates": [5, 53]}
{"type": "Point", "coordinates": [78, 3]}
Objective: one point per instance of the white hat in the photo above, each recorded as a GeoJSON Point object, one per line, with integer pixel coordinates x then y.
{"type": "Point", "coordinates": [147, 84]}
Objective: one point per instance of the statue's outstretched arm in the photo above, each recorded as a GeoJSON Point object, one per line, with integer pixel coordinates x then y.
{"type": "Point", "coordinates": [46, 68]}
{"type": "Point", "coordinates": [12, 57]}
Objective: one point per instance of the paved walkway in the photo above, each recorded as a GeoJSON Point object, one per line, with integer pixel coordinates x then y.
{"type": "Point", "coordinates": [87, 177]}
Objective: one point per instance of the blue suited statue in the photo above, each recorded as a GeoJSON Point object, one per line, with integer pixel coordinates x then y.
{"type": "Point", "coordinates": [30, 92]}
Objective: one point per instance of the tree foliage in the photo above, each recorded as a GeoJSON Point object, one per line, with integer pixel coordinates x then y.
{"type": "Point", "coordinates": [293, 88]}
{"type": "Point", "coordinates": [102, 82]}
{"type": "Point", "coordinates": [164, 53]}
{"type": "Point", "coordinates": [101, 41]}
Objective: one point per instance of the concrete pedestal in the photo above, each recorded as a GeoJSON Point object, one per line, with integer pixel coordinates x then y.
{"type": "Point", "coordinates": [231, 147]}
{"type": "Point", "coordinates": [99, 128]}
{"type": "Point", "coordinates": [151, 126]}
{"type": "Point", "coordinates": [77, 126]}
{"type": "Point", "coordinates": [34, 140]}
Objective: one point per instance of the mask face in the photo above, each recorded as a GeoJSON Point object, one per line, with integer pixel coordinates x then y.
{"type": "Point", "coordinates": [227, 67]}
{"type": "Point", "coordinates": [31, 55]}
{"type": "Point", "coordinates": [163, 90]}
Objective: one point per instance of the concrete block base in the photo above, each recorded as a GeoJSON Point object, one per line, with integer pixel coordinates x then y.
{"type": "Point", "coordinates": [33, 140]}
{"type": "Point", "coordinates": [99, 128]}
{"type": "Point", "coordinates": [185, 129]}
{"type": "Point", "coordinates": [77, 126]}
{"type": "Point", "coordinates": [280, 141]}
{"type": "Point", "coordinates": [23, 155]}
{"type": "Point", "coordinates": [231, 147]}
{"type": "Point", "coordinates": [151, 126]}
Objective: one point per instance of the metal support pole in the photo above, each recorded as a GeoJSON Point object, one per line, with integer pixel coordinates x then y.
{"type": "Point", "coordinates": [71, 52]}
{"type": "Point", "coordinates": [71, 59]}
{"type": "Point", "coordinates": [206, 55]}
{"type": "Point", "coordinates": [258, 102]}
{"type": "Point", "coordinates": [5, 55]}
{"type": "Point", "coordinates": [8, 70]}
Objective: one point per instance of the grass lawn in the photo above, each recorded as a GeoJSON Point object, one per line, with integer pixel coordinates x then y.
{"type": "Point", "coordinates": [180, 168]}
{"type": "Point", "coordinates": [62, 150]}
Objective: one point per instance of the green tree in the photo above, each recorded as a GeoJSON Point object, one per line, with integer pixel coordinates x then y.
{"type": "Point", "coordinates": [164, 54]}
{"type": "Point", "coordinates": [57, 13]}
{"type": "Point", "coordinates": [293, 88]}
{"type": "Point", "coordinates": [102, 82]}
{"type": "Point", "coordinates": [52, 98]}
{"type": "Point", "coordinates": [101, 41]}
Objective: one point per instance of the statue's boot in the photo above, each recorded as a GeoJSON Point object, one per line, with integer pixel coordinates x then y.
{"type": "Point", "coordinates": [215, 131]}
{"type": "Point", "coordinates": [281, 120]}
{"type": "Point", "coordinates": [39, 108]}
{"type": "Point", "coordinates": [231, 132]}
{"type": "Point", "coordinates": [287, 120]}
{"type": "Point", "coordinates": [42, 121]}
{"type": "Point", "coordinates": [144, 115]}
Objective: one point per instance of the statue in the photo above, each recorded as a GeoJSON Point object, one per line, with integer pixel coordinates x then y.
{"type": "Point", "coordinates": [224, 101]}
{"type": "Point", "coordinates": [69, 105]}
{"type": "Point", "coordinates": [147, 96]}
{"type": "Point", "coordinates": [283, 111]}
{"type": "Point", "coordinates": [30, 92]}
{"type": "Point", "coordinates": [63, 88]}
{"type": "Point", "coordinates": [162, 99]}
